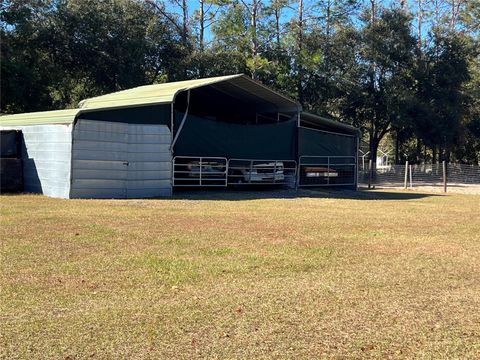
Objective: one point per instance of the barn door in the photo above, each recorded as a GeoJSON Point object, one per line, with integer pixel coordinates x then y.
{"type": "Point", "coordinates": [119, 160]}
{"type": "Point", "coordinates": [99, 160]}
{"type": "Point", "coordinates": [149, 161]}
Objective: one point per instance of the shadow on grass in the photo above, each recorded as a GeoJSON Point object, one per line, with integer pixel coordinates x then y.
{"type": "Point", "coordinates": [278, 193]}
{"type": "Point", "coordinates": [262, 193]}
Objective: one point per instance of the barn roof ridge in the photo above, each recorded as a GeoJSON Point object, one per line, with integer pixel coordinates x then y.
{"type": "Point", "coordinates": [154, 94]}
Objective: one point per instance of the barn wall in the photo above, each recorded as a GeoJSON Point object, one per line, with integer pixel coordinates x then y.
{"type": "Point", "coordinates": [46, 155]}
{"type": "Point", "coordinates": [154, 114]}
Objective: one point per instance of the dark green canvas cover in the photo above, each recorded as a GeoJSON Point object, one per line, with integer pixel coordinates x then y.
{"type": "Point", "coordinates": [203, 137]}
{"type": "Point", "coordinates": [318, 143]}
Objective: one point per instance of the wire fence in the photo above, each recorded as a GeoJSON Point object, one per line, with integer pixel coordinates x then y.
{"type": "Point", "coordinates": [442, 177]}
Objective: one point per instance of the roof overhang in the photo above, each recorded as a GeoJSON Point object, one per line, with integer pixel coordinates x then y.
{"type": "Point", "coordinates": [40, 118]}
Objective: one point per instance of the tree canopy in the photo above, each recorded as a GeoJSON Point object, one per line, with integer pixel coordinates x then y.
{"type": "Point", "coordinates": [406, 72]}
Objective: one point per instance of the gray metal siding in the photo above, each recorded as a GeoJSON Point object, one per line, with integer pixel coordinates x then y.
{"type": "Point", "coordinates": [150, 161]}
{"type": "Point", "coordinates": [46, 155]}
{"type": "Point", "coordinates": [120, 160]}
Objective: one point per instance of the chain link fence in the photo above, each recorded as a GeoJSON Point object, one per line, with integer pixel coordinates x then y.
{"type": "Point", "coordinates": [438, 177]}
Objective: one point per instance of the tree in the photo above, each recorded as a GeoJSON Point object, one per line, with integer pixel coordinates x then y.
{"type": "Point", "coordinates": [328, 54]}
{"type": "Point", "coordinates": [26, 68]}
{"type": "Point", "coordinates": [276, 10]}
{"type": "Point", "coordinates": [407, 78]}
{"type": "Point", "coordinates": [69, 50]}
{"type": "Point", "coordinates": [450, 73]}
{"type": "Point", "coordinates": [386, 60]}
{"type": "Point", "coordinates": [237, 30]}
{"type": "Point", "coordinates": [470, 16]}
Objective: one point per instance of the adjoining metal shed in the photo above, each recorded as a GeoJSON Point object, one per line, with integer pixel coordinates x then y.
{"type": "Point", "coordinates": [142, 142]}
{"type": "Point", "coordinates": [67, 157]}
{"type": "Point", "coordinates": [327, 152]}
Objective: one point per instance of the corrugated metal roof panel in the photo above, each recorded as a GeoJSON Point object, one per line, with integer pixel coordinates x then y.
{"type": "Point", "coordinates": [237, 85]}
{"type": "Point", "coordinates": [40, 118]}
{"type": "Point", "coordinates": [148, 94]}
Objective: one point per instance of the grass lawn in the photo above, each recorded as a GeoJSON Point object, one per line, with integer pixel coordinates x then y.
{"type": "Point", "coordinates": [373, 275]}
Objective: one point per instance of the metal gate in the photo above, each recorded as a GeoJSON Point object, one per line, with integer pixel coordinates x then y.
{"type": "Point", "coordinates": [264, 172]}
{"type": "Point", "coordinates": [326, 171]}
{"type": "Point", "coordinates": [195, 171]}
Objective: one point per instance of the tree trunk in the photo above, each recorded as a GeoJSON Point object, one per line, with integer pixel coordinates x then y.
{"type": "Point", "coordinates": [452, 14]}
{"type": "Point", "coordinates": [448, 153]}
{"type": "Point", "coordinates": [419, 23]}
{"type": "Point", "coordinates": [299, 52]}
{"type": "Point", "coordinates": [397, 150]}
{"type": "Point", "coordinates": [185, 22]}
{"type": "Point", "coordinates": [202, 25]}
{"type": "Point", "coordinates": [277, 27]}
{"type": "Point", "coordinates": [327, 48]}
{"type": "Point", "coordinates": [437, 14]}
{"type": "Point", "coordinates": [373, 9]}
{"type": "Point", "coordinates": [419, 151]}
{"type": "Point", "coordinates": [201, 36]}
{"type": "Point", "coordinates": [374, 142]}
{"type": "Point", "coordinates": [254, 40]}
{"type": "Point", "coordinates": [327, 25]}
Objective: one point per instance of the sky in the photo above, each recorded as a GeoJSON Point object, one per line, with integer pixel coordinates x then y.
{"type": "Point", "coordinates": [193, 5]}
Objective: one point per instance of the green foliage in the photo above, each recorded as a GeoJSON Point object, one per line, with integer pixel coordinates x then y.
{"type": "Point", "coordinates": [471, 16]}
{"type": "Point", "coordinates": [231, 29]}
{"type": "Point", "coordinates": [341, 60]}
{"type": "Point", "coordinates": [440, 109]}
{"type": "Point", "coordinates": [64, 51]}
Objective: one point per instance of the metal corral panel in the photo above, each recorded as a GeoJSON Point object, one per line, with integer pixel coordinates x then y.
{"type": "Point", "coordinates": [46, 155]}
{"type": "Point", "coordinates": [119, 160]}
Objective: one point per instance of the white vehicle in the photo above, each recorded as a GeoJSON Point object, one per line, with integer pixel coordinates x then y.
{"type": "Point", "coordinates": [270, 172]}
{"type": "Point", "coordinates": [207, 169]}
{"type": "Point", "coordinates": [320, 172]}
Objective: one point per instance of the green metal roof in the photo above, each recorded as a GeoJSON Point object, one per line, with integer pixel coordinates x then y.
{"type": "Point", "coordinates": [40, 118]}
{"type": "Point", "coordinates": [239, 86]}
{"type": "Point", "coordinates": [148, 94]}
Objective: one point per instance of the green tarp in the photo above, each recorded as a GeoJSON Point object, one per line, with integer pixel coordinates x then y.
{"type": "Point", "coordinates": [203, 137]}
{"type": "Point", "coordinates": [318, 143]}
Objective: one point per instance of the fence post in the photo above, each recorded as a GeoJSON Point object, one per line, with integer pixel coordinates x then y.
{"type": "Point", "coordinates": [411, 177]}
{"type": "Point", "coordinates": [370, 171]}
{"type": "Point", "coordinates": [444, 165]}
{"type": "Point", "coordinates": [406, 175]}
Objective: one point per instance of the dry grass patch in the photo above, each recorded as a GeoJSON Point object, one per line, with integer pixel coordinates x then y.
{"type": "Point", "coordinates": [371, 275]}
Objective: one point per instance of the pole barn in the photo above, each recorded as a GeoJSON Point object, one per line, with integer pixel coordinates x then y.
{"type": "Point", "coordinates": [146, 141]}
